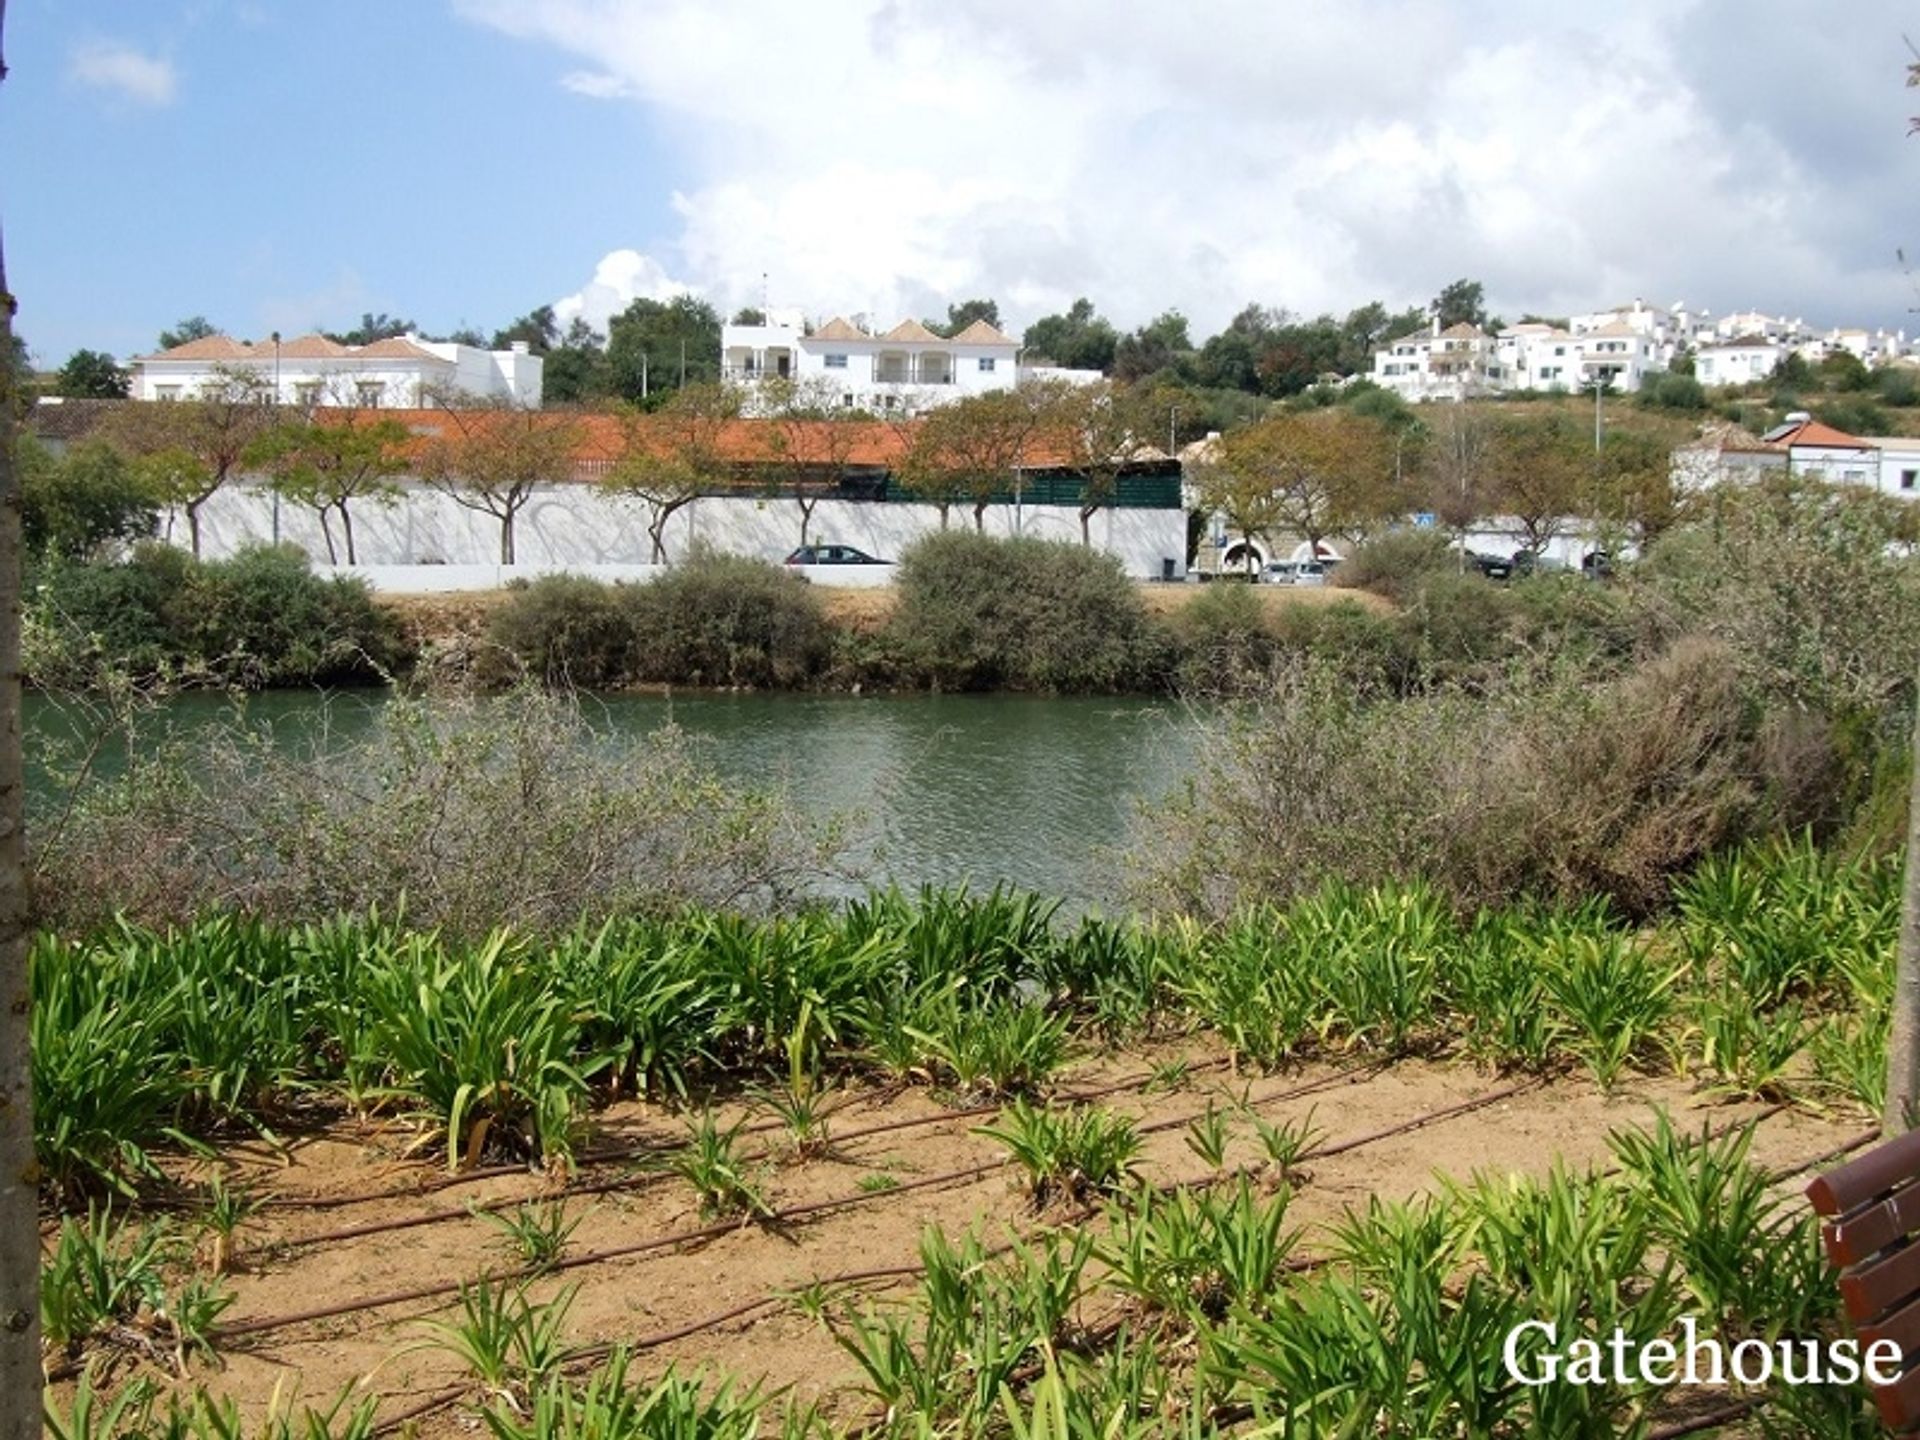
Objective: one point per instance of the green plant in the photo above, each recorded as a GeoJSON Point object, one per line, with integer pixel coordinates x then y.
{"type": "Point", "coordinates": [1288, 1142]}
{"type": "Point", "coordinates": [1004, 1048]}
{"type": "Point", "coordinates": [717, 619]}
{"type": "Point", "coordinates": [509, 1343]}
{"type": "Point", "coordinates": [1749, 1049]}
{"type": "Point", "coordinates": [226, 1211]}
{"type": "Point", "coordinates": [1612, 995]}
{"type": "Point", "coordinates": [536, 1233]}
{"type": "Point", "coordinates": [564, 630]}
{"type": "Point", "coordinates": [1207, 1136]}
{"type": "Point", "coordinates": [1069, 1154]}
{"type": "Point", "coordinates": [609, 1406]}
{"type": "Point", "coordinates": [711, 1162]}
{"type": "Point", "coordinates": [101, 1272]}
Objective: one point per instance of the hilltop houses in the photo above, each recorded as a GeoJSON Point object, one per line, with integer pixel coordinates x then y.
{"type": "Point", "coordinates": [403, 372]}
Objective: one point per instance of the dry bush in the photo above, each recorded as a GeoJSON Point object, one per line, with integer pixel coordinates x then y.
{"type": "Point", "coordinates": [1542, 785]}
{"type": "Point", "coordinates": [468, 815]}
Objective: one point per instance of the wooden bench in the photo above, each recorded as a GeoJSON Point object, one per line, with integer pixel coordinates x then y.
{"type": "Point", "coordinates": [1870, 1213]}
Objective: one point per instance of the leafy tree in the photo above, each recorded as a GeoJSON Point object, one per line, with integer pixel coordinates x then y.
{"type": "Point", "coordinates": [17, 361]}
{"type": "Point", "coordinates": [809, 437]}
{"type": "Point", "coordinates": [1096, 431]}
{"type": "Point", "coordinates": [374, 328]}
{"type": "Point", "coordinates": [92, 375]}
{"type": "Point", "coordinates": [1307, 473]}
{"type": "Point", "coordinates": [492, 454]}
{"type": "Point", "coordinates": [655, 346]}
{"type": "Point", "coordinates": [968, 451]}
{"type": "Point", "coordinates": [538, 329]}
{"type": "Point", "coordinates": [1078, 340]}
{"type": "Point", "coordinates": [331, 458]}
{"type": "Point", "coordinates": [1161, 345]}
{"type": "Point", "coordinates": [1843, 370]}
{"type": "Point", "coordinates": [1673, 391]}
{"type": "Point", "coordinates": [1633, 489]}
{"type": "Point", "coordinates": [185, 450]}
{"type": "Point", "coordinates": [467, 335]}
{"type": "Point", "coordinates": [1455, 474]}
{"type": "Point", "coordinates": [1792, 369]}
{"type": "Point", "coordinates": [749, 315]}
{"type": "Point", "coordinates": [194, 327]}
{"type": "Point", "coordinates": [75, 505]}
{"type": "Point", "coordinates": [1461, 303]}
{"type": "Point", "coordinates": [1539, 471]}
{"type": "Point", "coordinates": [964, 314]}
{"type": "Point", "coordinates": [672, 457]}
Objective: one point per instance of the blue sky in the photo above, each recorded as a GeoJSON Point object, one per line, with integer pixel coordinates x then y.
{"type": "Point", "coordinates": [305, 163]}
{"type": "Point", "coordinates": [282, 164]}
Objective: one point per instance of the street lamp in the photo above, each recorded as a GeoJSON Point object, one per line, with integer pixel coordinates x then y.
{"type": "Point", "coordinates": [276, 409]}
{"type": "Point", "coordinates": [1599, 388]}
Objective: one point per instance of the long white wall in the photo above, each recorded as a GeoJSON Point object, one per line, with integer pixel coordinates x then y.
{"type": "Point", "coordinates": [576, 527]}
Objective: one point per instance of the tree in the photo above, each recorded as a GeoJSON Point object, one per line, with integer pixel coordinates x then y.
{"type": "Point", "coordinates": [373, 328]}
{"type": "Point", "coordinates": [538, 330]}
{"type": "Point", "coordinates": [970, 450]}
{"type": "Point", "coordinates": [1454, 469]}
{"type": "Point", "coordinates": [1461, 303]}
{"type": "Point", "coordinates": [576, 368]}
{"type": "Point", "coordinates": [1096, 431]}
{"type": "Point", "coordinates": [672, 457]}
{"type": "Point", "coordinates": [1538, 473]}
{"type": "Point", "coordinates": [492, 454]}
{"type": "Point", "coordinates": [194, 327]}
{"type": "Point", "coordinates": [1633, 489]}
{"type": "Point", "coordinates": [749, 315]}
{"type": "Point", "coordinates": [1309, 473]}
{"type": "Point", "coordinates": [1161, 344]}
{"type": "Point", "coordinates": [1078, 340]}
{"type": "Point", "coordinates": [654, 346]}
{"type": "Point", "coordinates": [185, 450]}
{"type": "Point", "coordinates": [329, 459]}
{"type": "Point", "coordinates": [964, 314]}
{"type": "Point", "coordinates": [92, 375]}
{"type": "Point", "coordinates": [82, 502]}
{"type": "Point", "coordinates": [809, 438]}
{"type": "Point", "coordinates": [20, 1375]}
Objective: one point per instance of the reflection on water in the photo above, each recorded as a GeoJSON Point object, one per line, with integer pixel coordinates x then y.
{"type": "Point", "coordinates": [1033, 792]}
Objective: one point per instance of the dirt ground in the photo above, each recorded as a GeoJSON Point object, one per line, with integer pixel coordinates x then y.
{"type": "Point", "coordinates": [295, 1258]}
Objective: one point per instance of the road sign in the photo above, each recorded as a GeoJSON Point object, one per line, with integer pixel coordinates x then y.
{"type": "Point", "coordinates": [1424, 519]}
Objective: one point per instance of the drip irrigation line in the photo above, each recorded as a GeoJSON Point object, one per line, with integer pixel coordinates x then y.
{"type": "Point", "coordinates": [965, 1175]}
{"type": "Point", "coordinates": [1711, 1420]}
{"type": "Point", "coordinates": [644, 1181]}
{"type": "Point", "coordinates": [1858, 1142]}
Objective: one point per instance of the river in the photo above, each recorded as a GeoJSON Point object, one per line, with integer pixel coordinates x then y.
{"type": "Point", "coordinates": [1036, 792]}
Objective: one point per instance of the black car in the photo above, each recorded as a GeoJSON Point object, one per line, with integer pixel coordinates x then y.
{"type": "Point", "coordinates": [832, 555]}
{"type": "Point", "coordinates": [1494, 567]}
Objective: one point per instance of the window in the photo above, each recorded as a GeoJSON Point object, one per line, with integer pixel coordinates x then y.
{"type": "Point", "coordinates": [308, 394]}
{"type": "Point", "coordinates": [836, 362]}
{"type": "Point", "coordinates": [986, 362]}
{"type": "Point", "coordinates": [1909, 478]}
{"type": "Point", "coordinates": [847, 400]}
{"type": "Point", "coordinates": [369, 392]}
{"type": "Point", "coordinates": [166, 392]}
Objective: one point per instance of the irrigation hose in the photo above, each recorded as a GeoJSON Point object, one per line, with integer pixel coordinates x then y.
{"type": "Point", "coordinates": [1300, 1264]}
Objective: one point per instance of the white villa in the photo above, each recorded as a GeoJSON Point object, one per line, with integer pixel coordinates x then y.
{"type": "Point", "coordinates": [1725, 454]}
{"type": "Point", "coordinates": [907, 368]}
{"type": "Point", "coordinates": [1450, 364]}
{"type": "Point", "coordinates": [401, 373]}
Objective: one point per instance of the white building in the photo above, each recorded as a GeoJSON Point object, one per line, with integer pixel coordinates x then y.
{"type": "Point", "coordinates": [404, 372]}
{"type": "Point", "coordinates": [1450, 364]}
{"type": "Point", "coordinates": [909, 367]}
{"type": "Point", "coordinates": [1741, 361]}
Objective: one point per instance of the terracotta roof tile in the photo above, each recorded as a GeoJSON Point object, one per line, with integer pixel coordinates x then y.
{"type": "Point", "coordinates": [981, 333]}
{"type": "Point", "coordinates": [838, 329]}
{"type": "Point", "coordinates": [911, 331]}
{"type": "Point", "coordinates": [396, 348]}
{"type": "Point", "coordinates": [208, 347]}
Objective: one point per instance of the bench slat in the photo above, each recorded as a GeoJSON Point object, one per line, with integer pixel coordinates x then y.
{"type": "Point", "coordinates": [1902, 1327]}
{"type": "Point", "coordinates": [1867, 1232]}
{"type": "Point", "coordinates": [1899, 1402]}
{"type": "Point", "coordinates": [1872, 1290]}
{"type": "Point", "coordinates": [1879, 1170]}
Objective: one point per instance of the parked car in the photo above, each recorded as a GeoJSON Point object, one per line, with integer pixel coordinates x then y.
{"type": "Point", "coordinates": [1312, 572]}
{"type": "Point", "coordinates": [833, 555]}
{"type": "Point", "coordinates": [1278, 572]}
{"type": "Point", "coordinates": [1494, 567]}
{"type": "Point", "coordinates": [1597, 565]}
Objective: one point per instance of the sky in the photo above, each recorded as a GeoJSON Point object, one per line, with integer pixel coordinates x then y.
{"type": "Point", "coordinates": [289, 164]}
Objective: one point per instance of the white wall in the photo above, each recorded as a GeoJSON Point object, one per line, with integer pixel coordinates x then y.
{"type": "Point", "coordinates": [573, 526]}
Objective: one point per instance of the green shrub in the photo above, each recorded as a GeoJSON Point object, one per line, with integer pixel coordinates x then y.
{"type": "Point", "coordinates": [977, 613]}
{"type": "Point", "coordinates": [1397, 563]}
{"type": "Point", "coordinates": [726, 620]}
{"type": "Point", "coordinates": [262, 618]}
{"type": "Point", "coordinates": [564, 630]}
{"type": "Point", "coordinates": [1222, 640]}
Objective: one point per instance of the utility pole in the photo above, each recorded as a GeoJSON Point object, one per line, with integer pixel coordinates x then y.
{"type": "Point", "coordinates": [643, 374]}
{"type": "Point", "coordinates": [1599, 385]}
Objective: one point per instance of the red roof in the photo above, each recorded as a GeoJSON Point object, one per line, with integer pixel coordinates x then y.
{"type": "Point", "coordinates": [1812, 432]}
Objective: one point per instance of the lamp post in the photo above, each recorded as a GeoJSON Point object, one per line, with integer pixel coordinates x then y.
{"type": "Point", "coordinates": [276, 416]}
{"type": "Point", "coordinates": [1599, 388]}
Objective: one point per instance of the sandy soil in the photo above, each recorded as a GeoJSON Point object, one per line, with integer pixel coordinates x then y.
{"type": "Point", "coordinates": [295, 1260]}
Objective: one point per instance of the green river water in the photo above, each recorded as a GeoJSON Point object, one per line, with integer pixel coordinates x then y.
{"type": "Point", "coordinates": [1042, 793]}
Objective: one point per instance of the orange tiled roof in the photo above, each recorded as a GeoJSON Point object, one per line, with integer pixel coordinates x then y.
{"type": "Point", "coordinates": [911, 331]}
{"type": "Point", "coordinates": [218, 348]}
{"type": "Point", "coordinates": [981, 333]}
{"type": "Point", "coordinates": [1812, 432]}
{"type": "Point", "coordinates": [838, 329]}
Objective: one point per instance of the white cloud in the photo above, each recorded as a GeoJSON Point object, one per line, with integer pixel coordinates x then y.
{"type": "Point", "coordinates": [596, 84]}
{"type": "Point", "coordinates": [618, 280]}
{"type": "Point", "coordinates": [873, 155]}
{"type": "Point", "coordinates": [106, 65]}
